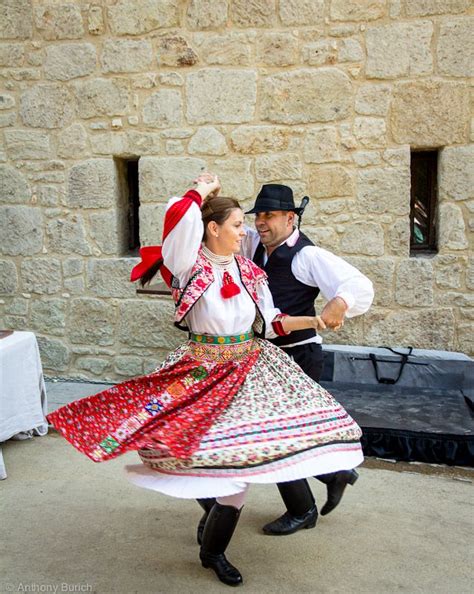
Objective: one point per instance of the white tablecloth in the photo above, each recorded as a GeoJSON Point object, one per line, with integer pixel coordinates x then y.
{"type": "Point", "coordinates": [23, 403]}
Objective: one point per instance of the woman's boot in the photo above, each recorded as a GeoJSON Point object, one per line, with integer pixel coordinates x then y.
{"type": "Point", "coordinates": [301, 509]}
{"type": "Point", "coordinates": [218, 531]}
{"type": "Point", "coordinates": [206, 505]}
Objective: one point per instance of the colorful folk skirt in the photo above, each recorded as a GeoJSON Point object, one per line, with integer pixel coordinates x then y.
{"type": "Point", "coordinates": [220, 412]}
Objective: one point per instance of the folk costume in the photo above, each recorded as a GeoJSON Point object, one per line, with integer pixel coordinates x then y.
{"type": "Point", "coordinates": [297, 272]}
{"type": "Point", "coordinates": [225, 409]}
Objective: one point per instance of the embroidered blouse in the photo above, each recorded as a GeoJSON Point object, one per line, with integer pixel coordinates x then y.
{"type": "Point", "coordinates": [212, 314]}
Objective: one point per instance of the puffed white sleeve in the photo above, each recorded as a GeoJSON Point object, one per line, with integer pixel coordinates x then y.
{"type": "Point", "coordinates": [335, 277]}
{"type": "Point", "coordinates": [268, 309]}
{"type": "Point", "coordinates": [182, 243]}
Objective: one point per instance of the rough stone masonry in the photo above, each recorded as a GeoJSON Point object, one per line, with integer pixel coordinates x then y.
{"type": "Point", "coordinates": [328, 96]}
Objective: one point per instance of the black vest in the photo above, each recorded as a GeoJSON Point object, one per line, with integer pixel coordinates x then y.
{"type": "Point", "coordinates": [289, 294]}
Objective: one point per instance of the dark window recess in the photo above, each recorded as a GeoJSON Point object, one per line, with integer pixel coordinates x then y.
{"type": "Point", "coordinates": [423, 205]}
{"type": "Point", "coordinates": [133, 205]}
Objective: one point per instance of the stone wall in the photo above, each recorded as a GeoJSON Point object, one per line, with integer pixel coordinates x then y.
{"type": "Point", "coordinates": [328, 96]}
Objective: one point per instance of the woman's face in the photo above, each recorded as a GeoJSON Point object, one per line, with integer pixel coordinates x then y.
{"type": "Point", "coordinates": [231, 232]}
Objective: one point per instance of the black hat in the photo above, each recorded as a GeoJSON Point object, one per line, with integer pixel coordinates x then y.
{"type": "Point", "coordinates": [274, 197]}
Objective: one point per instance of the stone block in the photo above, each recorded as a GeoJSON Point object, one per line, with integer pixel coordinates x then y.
{"type": "Point", "coordinates": [363, 238]}
{"type": "Point", "coordinates": [466, 338]}
{"type": "Point", "coordinates": [102, 97]}
{"type": "Point", "coordinates": [93, 184]}
{"type": "Point", "coordinates": [94, 365]}
{"type": "Point", "coordinates": [259, 139]}
{"type": "Point", "coordinates": [322, 145]}
{"type": "Point", "coordinates": [69, 60]}
{"type": "Point", "coordinates": [366, 158]}
{"type": "Point", "coordinates": [417, 328]}
{"type": "Point", "coordinates": [208, 141]}
{"type": "Point", "coordinates": [449, 270]}
{"type": "Point", "coordinates": [11, 54]}
{"type": "Point", "coordinates": [46, 105]}
{"type": "Point", "coordinates": [306, 95]}
{"type": "Point", "coordinates": [126, 55]}
{"type": "Point", "coordinates": [67, 235]}
{"type": "Point", "coordinates": [399, 157]}
{"type": "Point", "coordinates": [49, 195]}
{"type": "Point", "coordinates": [95, 20]}
{"type": "Point", "coordinates": [110, 277]}
{"type": "Point", "coordinates": [328, 181]}
{"type": "Point", "coordinates": [91, 321]}
{"type": "Point", "coordinates": [174, 50]}
{"type": "Point", "coordinates": [108, 232]}
{"type": "Point", "coordinates": [370, 132]}
{"type": "Point", "coordinates": [72, 142]}
{"type": "Point", "coordinates": [456, 173]}
{"type": "Point", "coordinates": [470, 274]}
{"type": "Point", "coordinates": [163, 109]}
{"type": "Point", "coordinates": [455, 50]}
{"type": "Point", "coordinates": [73, 266]}
{"type": "Point", "coordinates": [164, 177]}
{"type": "Point", "coordinates": [18, 306]}
{"type": "Point", "coordinates": [110, 143]}
{"type": "Point", "coordinates": [173, 79]}
{"type": "Point", "coordinates": [414, 8]}
{"type": "Point", "coordinates": [146, 324]}
{"type": "Point", "coordinates": [236, 177]}
{"type": "Point", "coordinates": [270, 168]}
{"type": "Point", "coordinates": [8, 278]}
{"type": "Point", "coordinates": [350, 50]}
{"type": "Point", "coordinates": [27, 144]}
{"type": "Point", "coordinates": [319, 53]}
{"type": "Point", "coordinates": [21, 230]}
{"type": "Point", "coordinates": [230, 48]}
{"type": "Point", "coordinates": [49, 316]}
{"type": "Point", "coordinates": [14, 188]}
{"type": "Point", "coordinates": [16, 20]}
{"type": "Point", "coordinates": [277, 48]}
{"type": "Point", "coordinates": [7, 120]}
{"type": "Point", "coordinates": [399, 49]}
{"type": "Point", "coordinates": [429, 113]}
{"type": "Point", "coordinates": [234, 94]}
{"type": "Point", "coordinates": [135, 17]}
{"type": "Point", "coordinates": [151, 223]}
{"type": "Point", "coordinates": [6, 101]}
{"type": "Point", "coordinates": [41, 275]}
{"type": "Point", "coordinates": [373, 99]}
{"type": "Point", "coordinates": [381, 271]}
{"type": "Point", "coordinates": [324, 237]}
{"type": "Point", "coordinates": [207, 14]}
{"type": "Point", "coordinates": [399, 237]}
{"type": "Point", "coordinates": [128, 365]}
{"type": "Point", "coordinates": [143, 143]}
{"type": "Point", "coordinates": [55, 355]}
{"type": "Point", "coordinates": [253, 13]}
{"type": "Point", "coordinates": [301, 12]}
{"type": "Point", "coordinates": [59, 21]}
{"type": "Point", "coordinates": [351, 333]}
{"type": "Point", "coordinates": [414, 283]}
{"type": "Point", "coordinates": [358, 10]}
{"type": "Point", "coordinates": [174, 147]}
{"type": "Point", "coordinates": [452, 229]}
{"type": "Point", "coordinates": [384, 189]}
{"type": "Point", "coordinates": [75, 285]}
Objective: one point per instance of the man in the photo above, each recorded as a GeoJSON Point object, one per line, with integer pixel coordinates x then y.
{"type": "Point", "coordinates": [297, 272]}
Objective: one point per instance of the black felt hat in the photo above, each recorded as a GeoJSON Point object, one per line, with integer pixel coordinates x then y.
{"type": "Point", "coordinates": [274, 197]}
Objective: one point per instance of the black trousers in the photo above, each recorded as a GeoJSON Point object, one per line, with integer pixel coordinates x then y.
{"type": "Point", "coordinates": [297, 495]}
{"type": "Point", "coordinates": [309, 357]}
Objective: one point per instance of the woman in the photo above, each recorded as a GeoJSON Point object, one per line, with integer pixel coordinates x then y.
{"type": "Point", "coordinates": [226, 409]}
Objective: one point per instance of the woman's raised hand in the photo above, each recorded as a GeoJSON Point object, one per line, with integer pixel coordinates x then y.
{"type": "Point", "coordinates": [208, 185]}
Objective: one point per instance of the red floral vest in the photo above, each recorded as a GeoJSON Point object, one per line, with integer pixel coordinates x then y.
{"type": "Point", "coordinates": [202, 276]}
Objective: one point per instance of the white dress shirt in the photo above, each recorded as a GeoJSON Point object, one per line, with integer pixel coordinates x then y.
{"type": "Point", "coordinates": [317, 267]}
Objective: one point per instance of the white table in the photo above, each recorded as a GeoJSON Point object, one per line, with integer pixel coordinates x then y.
{"type": "Point", "coordinates": [23, 402]}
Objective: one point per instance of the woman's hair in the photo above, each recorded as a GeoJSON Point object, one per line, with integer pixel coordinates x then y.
{"type": "Point", "coordinates": [217, 210]}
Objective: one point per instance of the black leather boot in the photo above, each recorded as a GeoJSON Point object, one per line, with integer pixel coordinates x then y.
{"type": "Point", "coordinates": [218, 531]}
{"type": "Point", "coordinates": [302, 511]}
{"type": "Point", "coordinates": [336, 483]}
{"type": "Point", "coordinates": [206, 505]}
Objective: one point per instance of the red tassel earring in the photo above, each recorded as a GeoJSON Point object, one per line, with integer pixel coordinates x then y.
{"type": "Point", "coordinates": [229, 288]}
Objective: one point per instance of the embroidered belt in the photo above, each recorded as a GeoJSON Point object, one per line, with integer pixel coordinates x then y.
{"type": "Point", "coordinates": [210, 339]}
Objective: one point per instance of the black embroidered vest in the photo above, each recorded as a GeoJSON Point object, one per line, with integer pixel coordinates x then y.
{"type": "Point", "coordinates": [289, 294]}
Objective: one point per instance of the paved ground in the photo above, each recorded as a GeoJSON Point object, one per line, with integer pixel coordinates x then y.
{"type": "Point", "coordinates": [74, 526]}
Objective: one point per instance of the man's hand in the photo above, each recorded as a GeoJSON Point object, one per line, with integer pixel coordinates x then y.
{"type": "Point", "coordinates": [334, 312]}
